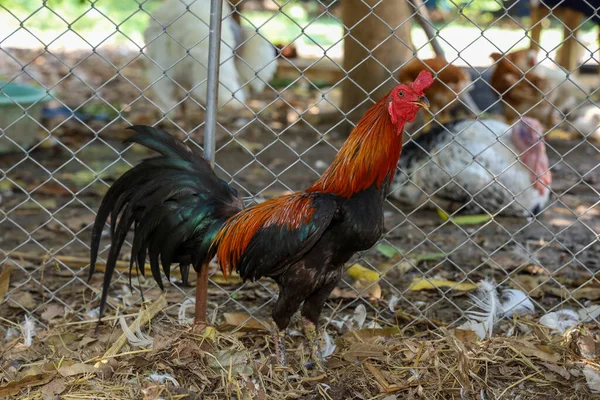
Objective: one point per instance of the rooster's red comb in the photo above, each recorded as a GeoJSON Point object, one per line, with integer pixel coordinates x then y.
{"type": "Point", "coordinates": [423, 81]}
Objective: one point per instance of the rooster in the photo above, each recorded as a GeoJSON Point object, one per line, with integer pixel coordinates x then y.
{"type": "Point", "coordinates": [248, 60]}
{"type": "Point", "coordinates": [477, 166]}
{"type": "Point", "coordinates": [182, 212]}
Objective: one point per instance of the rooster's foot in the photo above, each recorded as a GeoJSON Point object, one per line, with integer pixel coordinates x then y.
{"type": "Point", "coordinates": [279, 340]}
{"type": "Point", "coordinates": [316, 361]}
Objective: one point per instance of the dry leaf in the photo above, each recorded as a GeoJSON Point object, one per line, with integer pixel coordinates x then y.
{"type": "Point", "coordinates": [587, 347]}
{"type": "Point", "coordinates": [358, 272]}
{"type": "Point", "coordinates": [362, 351]}
{"type": "Point", "coordinates": [466, 335]}
{"type": "Point", "coordinates": [539, 351]}
{"type": "Point", "coordinates": [588, 292]}
{"type": "Point", "coordinates": [76, 369]}
{"type": "Point", "coordinates": [57, 386]}
{"type": "Point", "coordinates": [368, 333]}
{"type": "Point", "coordinates": [338, 293]}
{"type": "Point", "coordinates": [242, 322]}
{"type": "Point", "coordinates": [534, 286]}
{"type": "Point", "coordinates": [4, 281]}
{"type": "Point", "coordinates": [24, 299]}
{"type": "Point", "coordinates": [562, 371]}
{"type": "Point", "coordinates": [62, 339]}
{"type": "Point", "coordinates": [429, 284]}
{"type": "Point", "coordinates": [592, 376]}
{"type": "Point", "coordinates": [29, 381]}
{"type": "Point", "coordinates": [366, 287]}
{"type": "Point", "coordinates": [231, 361]}
{"type": "Point", "coordinates": [86, 340]}
{"type": "Point", "coordinates": [232, 279]}
{"type": "Point", "coordinates": [52, 310]}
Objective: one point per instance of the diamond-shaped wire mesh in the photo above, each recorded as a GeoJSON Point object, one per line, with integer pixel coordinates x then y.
{"type": "Point", "coordinates": [94, 69]}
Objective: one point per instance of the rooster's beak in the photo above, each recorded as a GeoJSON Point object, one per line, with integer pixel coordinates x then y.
{"type": "Point", "coordinates": [422, 102]}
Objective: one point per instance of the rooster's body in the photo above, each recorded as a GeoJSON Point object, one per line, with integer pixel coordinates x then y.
{"type": "Point", "coordinates": [181, 212]}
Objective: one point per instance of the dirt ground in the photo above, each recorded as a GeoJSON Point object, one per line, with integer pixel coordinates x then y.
{"type": "Point", "coordinates": [49, 199]}
{"type": "Point", "coordinates": [560, 246]}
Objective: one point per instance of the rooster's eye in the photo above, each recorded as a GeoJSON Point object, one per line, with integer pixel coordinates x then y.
{"type": "Point", "coordinates": [401, 93]}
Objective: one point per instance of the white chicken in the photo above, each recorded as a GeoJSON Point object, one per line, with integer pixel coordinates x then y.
{"type": "Point", "coordinates": [177, 55]}
{"type": "Point", "coordinates": [480, 166]}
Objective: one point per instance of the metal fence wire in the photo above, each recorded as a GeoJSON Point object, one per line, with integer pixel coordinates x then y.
{"type": "Point", "coordinates": [276, 124]}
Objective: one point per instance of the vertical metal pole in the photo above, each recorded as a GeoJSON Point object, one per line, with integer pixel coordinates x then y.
{"type": "Point", "coordinates": [212, 91]}
{"type": "Point", "coordinates": [212, 86]}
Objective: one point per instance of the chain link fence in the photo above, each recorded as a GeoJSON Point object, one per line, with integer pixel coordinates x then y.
{"type": "Point", "coordinates": [75, 78]}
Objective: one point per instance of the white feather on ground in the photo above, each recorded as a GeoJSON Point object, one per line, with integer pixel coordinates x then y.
{"type": "Point", "coordinates": [516, 302]}
{"type": "Point", "coordinates": [162, 378]}
{"type": "Point", "coordinates": [492, 308]}
{"type": "Point", "coordinates": [488, 303]}
{"type": "Point", "coordinates": [327, 346]}
{"type": "Point", "coordinates": [181, 317]}
{"type": "Point", "coordinates": [137, 338]}
{"type": "Point", "coordinates": [560, 321]}
{"type": "Point", "coordinates": [28, 328]}
{"type": "Point", "coordinates": [168, 59]}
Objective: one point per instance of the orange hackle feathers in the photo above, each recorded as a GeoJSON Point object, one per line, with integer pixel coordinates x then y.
{"type": "Point", "coordinates": [369, 155]}
{"type": "Point", "coordinates": [291, 212]}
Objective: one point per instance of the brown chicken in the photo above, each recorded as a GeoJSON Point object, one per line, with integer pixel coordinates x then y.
{"type": "Point", "coordinates": [522, 90]}
{"type": "Point", "coordinates": [451, 83]}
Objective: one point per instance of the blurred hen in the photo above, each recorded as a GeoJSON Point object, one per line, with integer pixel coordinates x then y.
{"type": "Point", "coordinates": [482, 166]}
{"type": "Point", "coordinates": [248, 60]}
{"type": "Point", "coordinates": [451, 87]}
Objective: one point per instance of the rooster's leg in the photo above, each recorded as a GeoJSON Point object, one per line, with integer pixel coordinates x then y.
{"type": "Point", "coordinates": [310, 311]}
{"type": "Point", "coordinates": [185, 272]}
{"type": "Point", "coordinates": [279, 340]}
{"type": "Point", "coordinates": [201, 297]}
{"type": "Point", "coordinates": [312, 334]}
{"type": "Point", "coordinates": [288, 302]}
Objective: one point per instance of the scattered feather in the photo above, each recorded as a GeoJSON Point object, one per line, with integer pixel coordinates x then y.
{"type": "Point", "coordinates": [294, 333]}
{"type": "Point", "coordinates": [477, 327]}
{"type": "Point", "coordinates": [360, 315]}
{"type": "Point", "coordinates": [327, 345]}
{"type": "Point", "coordinates": [28, 328]}
{"type": "Point", "coordinates": [393, 302]}
{"type": "Point", "coordinates": [560, 321]}
{"type": "Point", "coordinates": [182, 319]}
{"type": "Point", "coordinates": [11, 333]}
{"type": "Point", "coordinates": [137, 339]}
{"type": "Point", "coordinates": [339, 324]}
{"type": "Point", "coordinates": [590, 313]}
{"type": "Point", "coordinates": [162, 378]}
{"type": "Point", "coordinates": [373, 325]}
{"type": "Point", "coordinates": [516, 302]}
{"type": "Point", "coordinates": [93, 313]}
{"type": "Point", "coordinates": [486, 299]}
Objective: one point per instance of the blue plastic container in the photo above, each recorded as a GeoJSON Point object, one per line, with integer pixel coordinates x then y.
{"type": "Point", "coordinates": [16, 100]}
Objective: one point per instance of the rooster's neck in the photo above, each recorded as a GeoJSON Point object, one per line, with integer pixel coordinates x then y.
{"type": "Point", "coordinates": [368, 157]}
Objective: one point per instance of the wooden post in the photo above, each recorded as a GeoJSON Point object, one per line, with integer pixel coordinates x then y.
{"type": "Point", "coordinates": [566, 56]}
{"type": "Point", "coordinates": [538, 13]}
{"type": "Point", "coordinates": [373, 52]}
